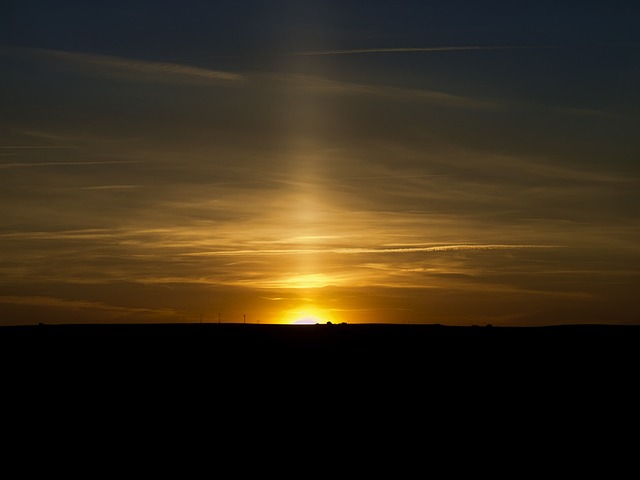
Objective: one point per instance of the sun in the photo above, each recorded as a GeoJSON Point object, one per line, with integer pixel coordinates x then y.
{"type": "Point", "coordinates": [307, 316]}
{"type": "Point", "coordinates": [307, 320]}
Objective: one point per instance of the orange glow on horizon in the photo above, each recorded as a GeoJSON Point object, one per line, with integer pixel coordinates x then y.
{"type": "Point", "coordinates": [308, 316]}
{"type": "Point", "coordinates": [308, 281]}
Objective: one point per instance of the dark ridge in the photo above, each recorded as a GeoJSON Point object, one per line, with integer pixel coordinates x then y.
{"type": "Point", "coordinates": [201, 367]}
{"type": "Point", "coordinates": [333, 352]}
{"type": "Point", "coordinates": [320, 336]}
{"type": "Point", "coordinates": [371, 342]}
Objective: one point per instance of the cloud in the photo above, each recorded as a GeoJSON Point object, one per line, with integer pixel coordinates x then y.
{"type": "Point", "coordinates": [357, 250]}
{"type": "Point", "coordinates": [110, 187]}
{"type": "Point", "coordinates": [18, 147]}
{"type": "Point", "coordinates": [140, 69]}
{"type": "Point", "coordinates": [445, 48]}
{"type": "Point", "coordinates": [398, 50]}
{"type": "Point", "coordinates": [58, 164]}
{"type": "Point", "coordinates": [80, 305]}
{"type": "Point", "coordinates": [318, 84]}
{"type": "Point", "coordinates": [531, 166]}
{"type": "Point", "coordinates": [84, 234]}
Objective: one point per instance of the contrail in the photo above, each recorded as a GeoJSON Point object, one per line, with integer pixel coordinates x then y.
{"type": "Point", "coordinates": [54, 164]}
{"type": "Point", "coordinates": [400, 176]}
{"type": "Point", "coordinates": [399, 49]}
{"type": "Point", "coordinates": [353, 51]}
{"type": "Point", "coordinates": [34, 146]}
{"type": "Point", "coordinates": [359, 250]}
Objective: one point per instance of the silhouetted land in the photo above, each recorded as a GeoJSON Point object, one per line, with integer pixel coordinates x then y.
{"type": "Point", "coordinates": [195, 373]}
{"type": "Point", "coordinates": [332, 346]}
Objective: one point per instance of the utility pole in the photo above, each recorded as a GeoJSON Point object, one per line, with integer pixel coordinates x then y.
{"type": "Point", "coordinates": [244, 316]}
{"type": "Point", "coordinates": [219, 317]}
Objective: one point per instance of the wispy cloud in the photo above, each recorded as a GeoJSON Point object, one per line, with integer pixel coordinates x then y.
{"type": "Point", "coordinates": [531, 166]}
{"type": "Point", "coordinates": [111, 187]}
{"type": "Point", "coordinates": [357, 250]}
{"type": "Point", "coordinates": [319, 84]}
{"type": "Point", "coordinates": [165, 72]}
{"type": "Point", "coordinates": [444, 48]}
{"type": "Point", "coordinates": [132, 68]}
{"type": "Point", "coordinates": [81, 305]}
{"type": "Point", "coordinates": [80, 234]}
{"type": "Point", "coordinates": [32, 147]}
{"type": "Point", "coordinates": [58, 164]}
{"type": "Point", "coordinates": [353, 51]}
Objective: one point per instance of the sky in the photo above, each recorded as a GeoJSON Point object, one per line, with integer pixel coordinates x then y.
{"type": "Point", "coordinates": [451, 162]}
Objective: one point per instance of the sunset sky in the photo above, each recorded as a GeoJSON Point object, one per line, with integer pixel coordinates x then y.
{"type": "Point", "coordinates": [454, 162]}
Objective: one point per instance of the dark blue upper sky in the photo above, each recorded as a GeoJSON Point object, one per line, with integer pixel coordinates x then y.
{"type": "Point", "coordinates": [165, 29]}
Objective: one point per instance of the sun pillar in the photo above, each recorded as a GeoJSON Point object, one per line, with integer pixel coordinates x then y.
{"type": "Point", "coordinates": [304, 133]}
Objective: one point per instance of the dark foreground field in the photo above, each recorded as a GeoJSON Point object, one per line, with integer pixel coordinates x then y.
{"type": "Point", "coordinates": [331, 346]}
{"type": "Point", "coordinates": [330, 361]}
{"type": "Point", "coordinates": [431, 382]}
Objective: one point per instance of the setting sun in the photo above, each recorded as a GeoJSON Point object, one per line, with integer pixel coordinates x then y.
{"type": "Point", "coordinates": [307, 321]}
{"type": "Point", "coordinates": [308, 316]}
